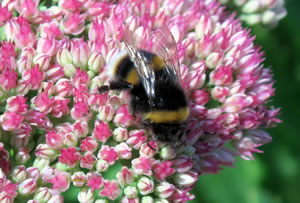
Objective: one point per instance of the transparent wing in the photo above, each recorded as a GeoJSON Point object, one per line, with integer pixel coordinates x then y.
{"type": "Point", "coordinates": [143, 66]}
{"type": "Point", "coordinates": [164, 45]}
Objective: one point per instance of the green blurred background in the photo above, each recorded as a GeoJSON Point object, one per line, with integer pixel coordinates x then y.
{"type": "Point", "coordinates": [274, 177]}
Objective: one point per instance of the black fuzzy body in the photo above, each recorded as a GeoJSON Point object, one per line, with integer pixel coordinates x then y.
{"type": "Point", "coordinates": [169, 97]}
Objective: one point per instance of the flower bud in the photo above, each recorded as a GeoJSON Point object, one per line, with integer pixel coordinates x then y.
{"type": "Point", "coordinates": [204, 26]}
{"type": "Point", "coordinates": [149, 149]}
{"type": "Point", "coordinates": [70, 139]}
{"type": "Point", "coordinates": [142, 165]}
{"type": "Point", "coordinates": [22, 156]}
{"type": "Point", "coordinates": [167, 153]}
{"type": "Point", "coordinates": [43, 151]}
{"type": "Point", "coordinates": [106, 113]}
{"type": "Point", "coordinates": [73, 23]}
{"type": "Point", "coordinates": [251, 6]}
{"type": "Point", "coordinates": [27, 187]}
{"type": "Point", "coordinates": [145, 185]}
{"type": "Point", "coordinates": [221, 75]}
{"type": "Point", "coordinates": [136, 138]}
{"type": "Point", "coordinates": [79, 179]}
{"type": "Point", "coordinates": [55, 72]}
{"type": "Point", "coordinates": [69, 70]}
{"type": "Point", "coordinates": [88, 160]}
{"type": "Point", "coordinates": [185, 180]}
{"type": "Point", "coordinates": [126, 199]}
{"type": "Point", "coordinates": [91, 74]}
{"type": "Point", "coordinates": [54, 140]}
{"type": "Point", "coordinates": [130, 191]}
{"type": "Point", "coordinates": [88, 144]}
{"type": "Point", "coordinates": [147, 199]}
{"type": "Point", "coordinates": [162, 170]}
{"type": "Point", "coordinates": [27, 9]}
{"type": "Point", "coordinates": [96, 62]}
{"type": "Point", "coordinates": [120, 134]}
{"type": "Point", "coordinates": [11, 121]}
{"type": "Point", "coordinates": [183, 163]}
{"type": "Point", "coordinates": [161, 201]}
{"type": "Point", "coordinates": [42, 194]}
{"type": "Point", "coordinates": [17, 104]}
{"type": "Point", "coordinates": [47, 45]}
{"type": "Point", "coordinates": [124, 151]}
{"type": "Point", "coordinates": [80, 129]}
{"type": "Point", "coordinates": [25, 60]}
{"type": "Point", "coordinates": [132, 22]}
{"type": "Point", "coordinates": [125, 176]}
{"type": "Point", "coordinates": [251, 19]}
{"type": "Point", "coordinates": [80, 53]}
{"type": "Point", "coordinates": [69, 156]}
{"type": "Point", "coordinates": [164, 190]}
{"type": "Point", "coordinates": [42, 60]}
{"type": "Point", "coordinates": [237, 102]}
{"type": "Point", "coordinates": [33, 172]}
{"type": "Point", "coordinates": [123, 117]}
{"type": "Point", "coordinates": [42, 103]}
{"type": "Point", "coordinates": [63, 88]}
{"type": "Point", "coordinates": [268, 17]}
{"type": "Point", "coordinates": [41, 163]}
{"type": "Point", "coordinates": [111, 190]}
{"type": "Point", "coordinates": [19, 174]}
{"type": "Point", "coordinates": [102, 165]}
{"type": "Point", "coordinates": [214, 59]}
{"type": "Point", "coordinates": [56, 199]}
{"type": "Point", "coordinates": [64, 57]}
{"type": "Point", "coordinates": [220, 93]}
{"type": "Point", "coordinates": [85, 195]}
{"type": "Point", "coordinates": [101, 131]}
{"type": "Point", "coordinates": [197, 79]}
{"type": "Point", "coordinates": [60, 107]}
{"type": "Point", "coordinates": [108, 154]}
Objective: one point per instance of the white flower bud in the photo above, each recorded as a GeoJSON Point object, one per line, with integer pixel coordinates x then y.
{"type": "Point", "coordinates": [85, 195]}
{"type": "Point", "coordinates": [147, 199]}
{"type": "Point", "coordinates": [167, 153]}
{"type": "Point", "coordinates": [130, 191]}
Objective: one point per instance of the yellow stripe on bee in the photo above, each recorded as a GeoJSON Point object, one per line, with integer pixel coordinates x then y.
{"type": "Point", "coordinates": [164, 116]}
{"type": "Point", "coordinates": [158, 63]}
{"type": "Point", "coordinates": [132, 77]}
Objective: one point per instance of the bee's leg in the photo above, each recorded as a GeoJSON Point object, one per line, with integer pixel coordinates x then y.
{"type": "Point", "coordinates": [150, 146]}
{"type": "Point", "coordinates": [115, 85]}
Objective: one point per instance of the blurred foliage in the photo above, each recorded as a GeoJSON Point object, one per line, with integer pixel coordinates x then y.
{"type": "Point", "coordinates": [274, 177]}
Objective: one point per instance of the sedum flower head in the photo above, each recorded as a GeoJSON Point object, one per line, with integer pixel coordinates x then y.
{"type": "Point", "coordinates": [61, 132]}
{"type": "Point", "coordinates": [252, 12]}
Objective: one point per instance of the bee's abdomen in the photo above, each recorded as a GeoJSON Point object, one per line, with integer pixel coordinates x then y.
{"type": "Point", "coordinates": [122, 68]}
{"type": "Point", "coordinates": [170, 104]}
{"type": "Point", "coordinates": [125, 70]}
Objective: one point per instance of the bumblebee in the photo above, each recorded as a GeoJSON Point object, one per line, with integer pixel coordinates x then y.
{"type": "Point", "coordinates": [151, 74]}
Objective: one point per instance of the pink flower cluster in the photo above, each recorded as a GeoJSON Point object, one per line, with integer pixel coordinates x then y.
{"type": "Point", "coordinates": [57, 130]}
